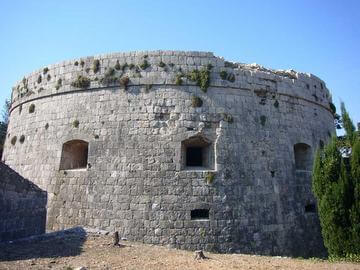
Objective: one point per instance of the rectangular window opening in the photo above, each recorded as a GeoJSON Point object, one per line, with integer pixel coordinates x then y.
{"type": "Point", "coordinates": [194, 157]}
{"type": "Point", "coordinates": [200, 214]}
{"type": "Point", "coordinates": [310, 208]}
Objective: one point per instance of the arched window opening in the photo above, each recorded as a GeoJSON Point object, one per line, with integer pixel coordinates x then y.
{"type": "Point", "coordinates": [74, 155]}
{"type": "Point", "coordinates": [303, 159]}
{"type": "Point", "coordinates": [197, 153]}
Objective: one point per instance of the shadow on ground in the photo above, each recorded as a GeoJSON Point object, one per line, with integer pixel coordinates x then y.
{"type": "Point", "coordinates": [52, 245]}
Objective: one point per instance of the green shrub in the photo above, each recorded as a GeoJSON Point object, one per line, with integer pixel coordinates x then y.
{"type": "Point", "coordinates": [332, 107]}
{"type": "Point", "coordinates": [196, 102]}
{"type": "Point", "coordinates": [228, 118]}
{"type": "Point", "coordinates": [144, 65]}
{"type": "Point", "coordinates": [39, 80]}
{"type": "Point", "coordinates": [48, 77]}
{"type": "Point", "coordinates": [178, 79]}
{"type": "Point", "coordinates": [117, 65]}
{"type": "Point", "coordinates": [13, 140]}
{"type": "Point", "coordinates": [209, 177]}
{"type": "Point", "coordinates": [96, 65]}
{"type": "Point", "coordinates": [230, 64]}
{"type": "Point", "coordinates": [76, 123]}
{"type": "Point", "coordinates": [335, 183]}
{"type": "Point", "coordinates": [22, 139]}
{"type": "Point", "coordinates": [87, 70]}
{"type": "Point", "coordinates": [45, 70]}
{"type": "Point", "coordinates": [76, 63]}
{"type": "Point", "coordinates": [81, 82]}
{"type": "Point", "coordinates": [32, 108]}
{"type": "Point", "coordinates": [131, 66]}
{"type": "Point", "coordinates": [109, 77]}
{"type": "Point", "coordinates": [162, 64]}
{"type": "Point", "coordinates": [82, 63]}
{"type": "Point", "coordinates": [201, 77]}
{"type": "Point", "coordinates": [209, 66]}
{"type": "Point", "coordinates": [124, 81]}
{"type": "Point", "coordinates": [58, 84]}
{"type": "Point", "coordinates": [227, 76]}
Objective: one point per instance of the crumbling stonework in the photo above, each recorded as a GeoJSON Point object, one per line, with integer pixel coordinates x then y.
{"type": "Point", "coordinates": [175, 148]}
{"type": "Point", "coordinates": [22, 206]}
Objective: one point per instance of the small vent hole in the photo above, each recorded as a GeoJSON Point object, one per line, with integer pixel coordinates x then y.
{"type": "Point", "coordinates": [200, 214]}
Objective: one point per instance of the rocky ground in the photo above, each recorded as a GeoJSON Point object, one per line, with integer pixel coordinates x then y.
{"type": "Point", "coordinates": [76, 248]}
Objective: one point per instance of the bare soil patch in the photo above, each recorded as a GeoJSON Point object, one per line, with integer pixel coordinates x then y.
{"type": "Point", "coordinates": [95, 251]}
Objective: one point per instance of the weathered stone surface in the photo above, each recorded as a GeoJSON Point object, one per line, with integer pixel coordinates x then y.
{"type": "Point", "coordinates": [22, 206]}
{"type": "Point", "coordinates": [252, 198]}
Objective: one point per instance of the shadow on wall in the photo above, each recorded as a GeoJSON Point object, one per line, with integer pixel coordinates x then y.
{"type": "Point", "coordinates": [22, 206]}
{"type": "Point", "coordinates": [64, 243]}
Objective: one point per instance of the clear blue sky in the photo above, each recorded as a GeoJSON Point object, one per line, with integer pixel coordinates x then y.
{"type": "Point", "coordinates": [320, 37]}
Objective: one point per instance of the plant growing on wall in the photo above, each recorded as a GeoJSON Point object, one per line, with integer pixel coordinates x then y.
{"type": "Point", "coordinates": [32, 108]}
{"type": "Point", "coordinates": [58, 84]}
{"type": "Point", "coordinates": [96, 65]}
{"type": "Point", "coordinates": [124, 81]}
{"type": "Point", "coordinates": [45, 70]}
{"type": "Point", "coordinates": [22, 139]}
{"type": "Point", "coordinates": [76, 123]}
{"type": "Point", "coordinates": [81, 82]}
{"type": "Point", "coordinates": [109, 77]}
{"type": "Point", "coordinates": [39, 79]}
{"type": "Point", "coordinates": [144, 65]}
{"type": "Point", "coordinates": [201, 77]}
{"type": "Point", "coordinates": [196, 102]}
{"type": "Point", "coordinates": [13, 140]}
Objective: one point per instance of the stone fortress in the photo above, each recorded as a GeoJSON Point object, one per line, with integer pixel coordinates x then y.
{"type": "Point", "coordinates": [175, 148]}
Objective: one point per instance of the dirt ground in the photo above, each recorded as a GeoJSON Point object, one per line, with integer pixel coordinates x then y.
{"type": "Point", "coordinates": [97, 252]}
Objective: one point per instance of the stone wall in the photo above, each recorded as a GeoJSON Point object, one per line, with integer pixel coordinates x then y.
{"type": "Point", "coordinates": [136, 180]}
{"type": "Point", "coordinates": [22, 206]}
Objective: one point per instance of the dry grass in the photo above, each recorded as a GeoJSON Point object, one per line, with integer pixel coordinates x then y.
{"type": "Point", "coordinates": [97, 252]}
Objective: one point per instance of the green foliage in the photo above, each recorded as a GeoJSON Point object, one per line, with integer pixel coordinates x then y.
{"type": "Point", "coordinates": [228, 118]}
{"type": "Point", "coordinates": [82, 63]}
{"type": "Point", "coordinates": [96, 65]}
{"type": "Point", "coordinates": [76, 123]}
{"type": "Point", "coordinates": [230, 64]}
{"type": "Point", "coordinates": [48, 77]}
{"type": "Point", "coordinates": [196, 102]}
{"type": "Point", "coordinates": [13, 140]}
{"type": "Point", "coordinates": [144, 65]}
{"type": "Point", "coordinates": [58, 84]}
{"type": "Point", "coordinates": [162, 64]}
{"type": "Point", "coordinates": [201, 77]}
{"type": "Point", "coordinates": [76, 63]}
{"type": "Point", "coordinates": [124, 81]}
{"type": "Point", "coordinates": [336, 185]}
{"type": "Point", "coordinates": [81, 82]}
{"type": "Point", "coordinates": [45, 70]}
{"type": "Point", "coordinates": [347, 124]}
{"type": "Point", "coordinates": [227, 76]}
{"type": "Point", "coordinates": [209, 177]}
{"type": "Point", "coordinates": [109, 77]}
{"type": "Point", "coordinates": [178, 79]}
{"type": "Point", "coordinates": [32, 108]}
{"type": "Point", "coordinates": [117, 65]}
{"type": "Point", "coordinates": [39, 80]}
{"type": "Point", "coordinates": [332, 107]}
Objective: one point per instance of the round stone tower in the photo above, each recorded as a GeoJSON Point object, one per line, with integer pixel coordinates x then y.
{"type": "Point", "coordinates": [175, 148]}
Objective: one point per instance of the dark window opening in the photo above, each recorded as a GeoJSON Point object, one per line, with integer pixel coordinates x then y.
{"type": "Point", "coordinates": [199, 214]}
{"type": "Point", "coordinates": [321, 143]}
{"type": "Point", "coordinates": [74, 155]}
{"type": "Point", "coordinates": [194, 157]}
{"type": "Point", "coordinates": [197, 153]}
{"type": "Point", "coordinates": [303, 159]}
{"type": "Point", "coordinates": [310, 208]}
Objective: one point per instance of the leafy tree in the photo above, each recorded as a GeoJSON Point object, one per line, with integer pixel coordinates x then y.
{"type": "Point", "coordinates": [336, 185]}
{"type": "Point", "coordinates": [4, 124]}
